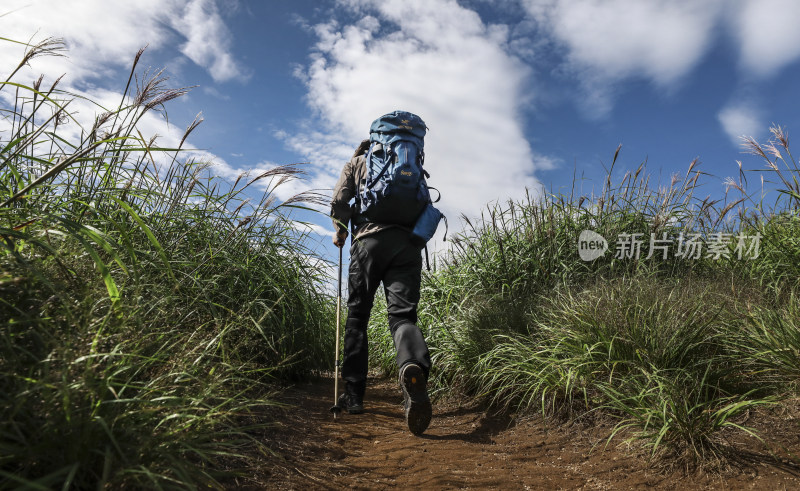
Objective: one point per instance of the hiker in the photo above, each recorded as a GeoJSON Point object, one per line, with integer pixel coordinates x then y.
{"type": "Point", "coordinates": [385, 247]}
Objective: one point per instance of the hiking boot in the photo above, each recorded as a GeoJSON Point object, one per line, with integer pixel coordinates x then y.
{"type": "Point", "coordinates": [417, 404]}
{"type": "Point", "coordinates": [351, 403]}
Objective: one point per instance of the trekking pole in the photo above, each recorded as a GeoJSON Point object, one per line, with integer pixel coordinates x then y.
{"type": "Point", "coordinates": [336, 409]}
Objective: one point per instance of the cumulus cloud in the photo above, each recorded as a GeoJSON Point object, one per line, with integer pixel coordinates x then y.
{"type": "Point", "coordinates": [435, 59]}
{"type": "Point", "coordinates": [104, 36]}
{"type": "Point", "coordinates": [606, 41]}
{"type": "Point", "coordinates": [740, 120]}
{"type": "Point", "coordinates": [208, 40]}
{"type": "Point", "coordinates": [768, 35]}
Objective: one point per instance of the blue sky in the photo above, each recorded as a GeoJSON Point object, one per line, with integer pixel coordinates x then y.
{"type": "Point", "coordinates": [516, 94]}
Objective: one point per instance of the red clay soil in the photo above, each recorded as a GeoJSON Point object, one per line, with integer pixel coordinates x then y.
{"type": "Point", "coordinates": [466, 448]}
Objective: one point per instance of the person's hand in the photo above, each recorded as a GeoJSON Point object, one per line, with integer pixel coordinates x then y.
{"type": "Point", "coordinates": [339, 238]}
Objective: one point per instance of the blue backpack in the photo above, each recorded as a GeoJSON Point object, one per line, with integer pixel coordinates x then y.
{"type": "Point", "coordinates": [395, 190]}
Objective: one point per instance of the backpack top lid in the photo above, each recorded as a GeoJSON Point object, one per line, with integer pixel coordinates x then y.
{"type": "Point", "coordinates": [391, 127]}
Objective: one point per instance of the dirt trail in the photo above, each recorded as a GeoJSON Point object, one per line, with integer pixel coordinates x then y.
{"type": "Point", "coordinates": [466, 448]}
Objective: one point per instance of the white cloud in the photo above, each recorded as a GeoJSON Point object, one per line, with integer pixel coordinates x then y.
{"type": "Point", "coordinates": [768, 35]}
{"type": "Point", "coordinates": [607, 41]}
{"type": "Point", "coordinates": [435, 59]}
{"type": "Point", "coordinates": [96, 46]}
{"type": "Point", "coordinates": [208, 40]}
{"type": "Point", "coordinates": [740, 120]}
{"type": "Point", "coordinates": [308, 227]}
{"type": "Point", "coordinates": [103, 36]}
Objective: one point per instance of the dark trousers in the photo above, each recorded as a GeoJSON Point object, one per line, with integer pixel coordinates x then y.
{"type": "Point", "coordinates": [389, 257]}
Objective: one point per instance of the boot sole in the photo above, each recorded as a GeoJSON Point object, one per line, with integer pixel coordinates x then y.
{"type": "Point", "coordinates": [418, 405]}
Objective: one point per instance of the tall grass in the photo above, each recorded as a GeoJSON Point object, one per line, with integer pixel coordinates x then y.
{"type": "Point", "coordinates": [147, 309]}
{"type": "Point", "coordinates": [672, 349]}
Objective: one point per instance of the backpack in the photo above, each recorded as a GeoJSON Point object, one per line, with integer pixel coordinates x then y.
{"type": "Point", "coordinates": [395, 190]}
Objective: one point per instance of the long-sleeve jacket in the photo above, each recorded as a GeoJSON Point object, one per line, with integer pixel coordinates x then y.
{"type": "Point", "coordinates": [353, 174]}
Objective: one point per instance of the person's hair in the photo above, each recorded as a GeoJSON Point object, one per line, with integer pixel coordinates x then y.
{"type": "Point", "coordinates": [362, 148]}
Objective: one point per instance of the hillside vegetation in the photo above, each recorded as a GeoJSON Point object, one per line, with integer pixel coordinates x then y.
{"type": "Point", "coordinates": [147, 310]}
{"type": "Point", "coordinates": [673, 343]}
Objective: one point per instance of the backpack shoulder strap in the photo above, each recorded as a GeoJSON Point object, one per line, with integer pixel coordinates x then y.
{"type": "Point", "coordinates": [387, 150]}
